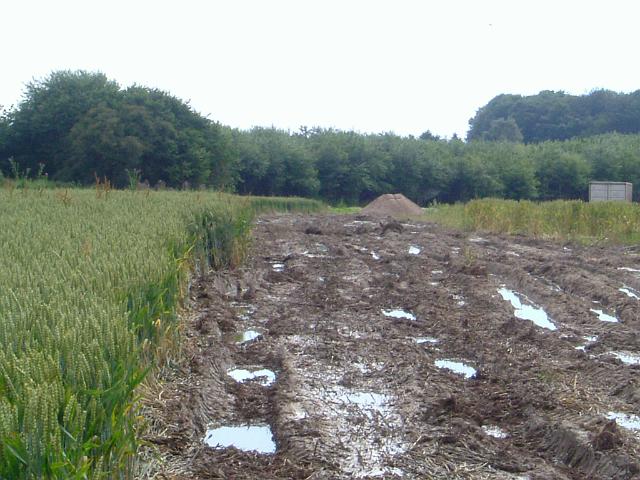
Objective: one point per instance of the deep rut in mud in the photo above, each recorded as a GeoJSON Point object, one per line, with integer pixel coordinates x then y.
{"type": "Point", "coordinates": [408, 351]}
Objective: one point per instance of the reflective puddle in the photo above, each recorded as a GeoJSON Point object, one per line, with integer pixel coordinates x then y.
{"type": "Point", "coordinates": [494, 431]}
{"type": "Point", "coordinates": [527, 311]}
{"type": "Point", "coordinates": [604, 317]}
{"type": "Point", "coordinates": [375, 256]}
{"type": "Point", "coordinates": [307, 254]}
{"type": "Point", "coordinates": [421, 340]}
{"type": "Point", "coordinates": [278, 267]}
{"type": "Point", "coordinates": [249, 335]}
{"type": "Point", "coordinates": [629, 292]}
{"type": "Point", "coordinates": [397, 313]}
{"type": "Point", "coordinates": [436, 272]}
{"type": "Point", "coordinates": [628, 358]}
{"type": "Point", "coordinates": [256, 438]}
{"type": "Point", "coordinates": [414, 250]}
{"type": "Point", "coordinates": [265, 377]}
{"type": "Point", "coordinates": [627, 269]}
{"type": "Point", "coordinates": [589, 340]}
{"type": "Point", "coordinates": [456, 367]}
{"type": "Point", "coordinates": [625, 420]}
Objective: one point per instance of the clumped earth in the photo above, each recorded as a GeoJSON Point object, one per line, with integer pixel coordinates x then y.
{"type": "Point", "coordinates": [394, 204]}
{"type": "Point", "coordinates": [396, 356]}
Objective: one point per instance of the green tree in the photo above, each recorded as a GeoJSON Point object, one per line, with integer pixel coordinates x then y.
{"type": "Point", "coordinates": [553, 115]}
{"type": "Point", "coordinates": [274, 162]}
{"type": "Point", "coordinates": [101, 145]}
{"type": "Point", "coordinates": [561, 174]}
{"type": "Point", "coordinates": [503, 130]}
{"type": "Point", "coordinates": [50, 108]}
{"type": "Point", "coordinates": [427, 135]}
{"type": "Point", "coordinates": [4, 134]}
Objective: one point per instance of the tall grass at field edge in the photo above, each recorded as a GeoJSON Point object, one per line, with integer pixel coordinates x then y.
{"type": "Point", "coordinates": [574, 220]}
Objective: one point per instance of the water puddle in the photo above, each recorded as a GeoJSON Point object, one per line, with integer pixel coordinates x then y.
{"type": "Point", "coordinates": [414, 250]}
{"type": "Point", "coordinates": [527, 311]}
{"type": "Point", "coordinates": [256, 438]}
{"type": "Point", "coordinates": [625, 420]}
{"type": "Point", "coordinates": [363, 422]}
{"type": "Point", "coordinates": [375, 256]}
{"type": "Point", "coordinates": [278, 267]}
{"type": "Point", "coordinates": [421, 340]}
{"type": "Point", "coordinates": [264, 376]}
{"type": "Point", "coordinates": [627, 269]}
{"type": "Point", "coordinates": [437, 272]}
{"type": "Point", "coordinates": [604, 317]}
{"type": "Point", "coordinates": [307, 254]}
{"type": "Point", "coordinates": [494, 431]}
{"type": "Point", "coordinates": [478, 240]}
{"type": "Point", "coordinates": [589, 340]}
{"type": "Point", "coordinates": [434, 284]}
{"type": "Point", "coordinates": [629, 292]}
{"type": "Point", "coordinates": [628, 358]}
{"type": "Point", "coordinates": [457, 367]}
{"type": "Point", "coordinates": [397, 313]}
{"type": "Point", "coordinates": [249, 335]}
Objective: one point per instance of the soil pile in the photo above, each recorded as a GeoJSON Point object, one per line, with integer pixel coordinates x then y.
{"type": "Point", "coordinates": [394, 205]}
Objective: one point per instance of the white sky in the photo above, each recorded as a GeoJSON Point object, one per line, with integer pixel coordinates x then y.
{"type": "Point", "coordinates": [398, 65]}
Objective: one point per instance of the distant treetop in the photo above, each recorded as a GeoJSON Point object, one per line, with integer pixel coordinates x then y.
{"type": "Point", "coordinates": [556, 116]}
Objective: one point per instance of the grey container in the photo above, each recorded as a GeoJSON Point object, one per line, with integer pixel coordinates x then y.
{"type": "Point", "coordinates": [610, 191]}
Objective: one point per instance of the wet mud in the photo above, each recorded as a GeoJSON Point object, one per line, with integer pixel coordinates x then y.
{"type": "Point", "coordinates": [376, 352]}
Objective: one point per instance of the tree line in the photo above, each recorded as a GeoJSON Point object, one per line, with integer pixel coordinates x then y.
{"type": "Point", "coordinates": [556, 116]}
{"type": "Point", "coordinates": [80, 125]}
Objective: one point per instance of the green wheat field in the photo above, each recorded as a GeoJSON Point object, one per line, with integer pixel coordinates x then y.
{"type": "Point", "coordinates": [90, 282]}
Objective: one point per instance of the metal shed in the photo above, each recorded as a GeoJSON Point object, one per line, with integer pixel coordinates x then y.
{"type": "Point", "coordinates": [610, 191]}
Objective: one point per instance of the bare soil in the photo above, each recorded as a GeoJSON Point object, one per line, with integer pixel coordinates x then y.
{"type": "Point", "coordinates": [358, 393]}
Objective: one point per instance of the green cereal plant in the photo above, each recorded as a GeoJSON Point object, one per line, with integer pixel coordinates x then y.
{"type": "Point", "coordinates": [88, 290]}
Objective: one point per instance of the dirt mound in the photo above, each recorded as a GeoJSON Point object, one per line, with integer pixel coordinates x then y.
{"type": "Point", "coordinates": [392, 204]}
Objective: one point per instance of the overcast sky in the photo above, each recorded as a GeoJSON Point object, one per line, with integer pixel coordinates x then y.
{"type": "Point", "coordinates": [372, 66]}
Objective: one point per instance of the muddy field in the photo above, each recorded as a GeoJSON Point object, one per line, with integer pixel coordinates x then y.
{"type": "Point", "coordinates": [349, 349]}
